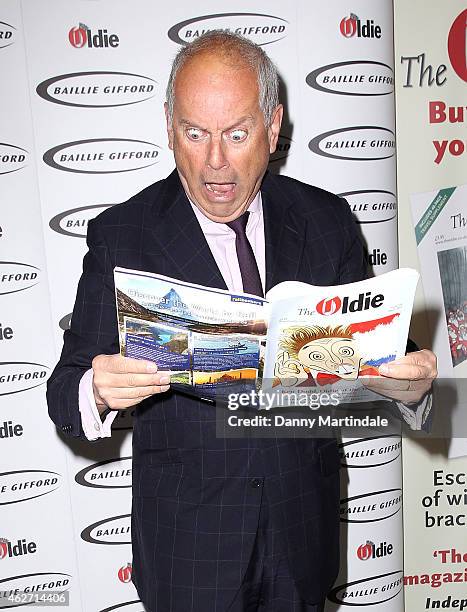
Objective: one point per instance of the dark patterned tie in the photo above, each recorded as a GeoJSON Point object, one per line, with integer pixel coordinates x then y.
{"type": "Point", "coordinates": [246, 258]}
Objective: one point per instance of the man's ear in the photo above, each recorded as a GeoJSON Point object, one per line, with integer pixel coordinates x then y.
{"type": "Point", "coordinates": [170, 131]}
{"type": "Point", "coordinates": [275, 127]}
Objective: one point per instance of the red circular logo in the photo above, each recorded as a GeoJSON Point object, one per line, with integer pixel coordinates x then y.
{"type": "Point", "coordinates": [364, 551]}
{"type": "Point", "coordinates": [124, 573]}
{"type": "Point", "coordinates": [3, 550]}
{"type": "Point", "coordinates": [348, 26]}
{"type": "Point", "coordinates": [457, 45]}
{"type": "Point", "coordinates": [78, 37]}
{"type": "Point", "coordinates": [329, 306]}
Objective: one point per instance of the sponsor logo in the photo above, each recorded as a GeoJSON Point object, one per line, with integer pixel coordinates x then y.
{"type": "Point", "coordinates": [17, 376]}
{"type": "Point", "coordinates": [359, 143]}
{"type": "Point", "coordinates": [457, 45]}
{"type": "Point", "coordinates": [364, 301]}
{"type": "Point", "coordinates": [74, 222]}
{"type": "Point", "coordinates": [7, 34]}
{"type": "Point", "coordinates": [352, 26]}
{"type": "Point", "coordinates": [65, 322]}
{"type": "Point", "coordinates": [8, 429]}
{"type": "Point", "coordinates": [81, 36]}
{"type": "Point", "coordinates": [371, 206]}
{"type": "Point", "coordinates": [262, 29]}
{"type": "Point", "coordinates": [113, 530]}
{"type": "Point", "coordinates": [357, 78]}
{"type": "Point", "coordinates": [31, 583]}
{"type": "Point", "coordinates": [370, 550]}
{"type": "Point", "coordinates": [109, 474]}
{"type": "Point", "coordinates": [23, 485]}
{"type": "Point", "coordinates": [377, 257]}
{"type": "Point", "coordinates": [368, 591]}
{"type": "Point", "coordinates": [12, 158]}
{"type": "Point", "coordinates": [124, 573]}
{"type": "Point", "coordinates": [16, 276]}
{"type": "Point", "coordinates": [128, 606]}
{"type": "Point", "coordinates": [20, 548]}
{"type": "Point", "coordinates": [6, 333]}
{"type": "Point", "coordinates": [102, 155]}
{"type": "Point", "coordinates": [371, 507]}
{"type": "Point", "coordinates": [282, 150]}
{"type": "Point", "coordinates": [370, 452]}
{"type": "Point", "coordinates": [97, 89]}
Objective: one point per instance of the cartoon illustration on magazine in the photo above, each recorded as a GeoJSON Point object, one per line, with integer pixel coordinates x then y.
{"type": "Point", "coordinates": [315, 355]}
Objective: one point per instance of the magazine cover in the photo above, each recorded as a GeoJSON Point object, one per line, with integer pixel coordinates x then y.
{"type": "Point", "coordinates": [327, 338]}
{"type": "Point", "coordinates": [440, 223]}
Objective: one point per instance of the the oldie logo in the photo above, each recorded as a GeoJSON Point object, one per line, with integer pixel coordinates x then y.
{"type": "Point", "coordinates": [457, 45]}
{"type": "Point", "coordinates": [369, 591]}
{"type": "Point", "coordinates": [7, 34]}
{"type": "Point", "coordinates": [102, 155]}
{"type": "Point", "coordinates": [370, 452]}
{"type": "Point", "coordinates": [16, 549]}
{"type": "Point", "coordinates": [23, 485]}
{"type": "Point", "coordinates": [370, 550]}
{"type": "Point", "coordinates": [371, 205]}
{"type": "Point", "coordinates": [16, 276]}
{"type": "Point", "coordinates": [8, 429]}
{"type": "Point", "coordinates": [353, 26]}
{"type": "Point", "coordinates": [357, 78]}
{"type": "Point", "coordinates": [124, 573]}
{"type": "Point", "coordinates": [364, 301]}
{"type": "Point", "coordinates": [82, 36]}
{"type": "Point", "coordinates": [359, 143]}
{"type": "Point", "coordinates": [97, 89]}
{"type": "Point", "coordinates": [74, 222]}
{"type": "Point", "coordinates": [128, 606]}
{"type": "Point", "coordinates": [282, 149]}
{"type": "Point", "coordinates": [65, 322]}
{"type": "Point", "coordinates": [113, 530]}
{"type": "Point", "coordinates": [17, 376]}
{"type": "Point", "coordinates": [262, 29]}
{"type": "Point", "coordinates": [371, 507]}
{"type": "Point", "coordinates": [109, 474]}
{"type": "Point", "coordinates": [12, 158]}
{"type": "Point", "coordinates": [30, 583]}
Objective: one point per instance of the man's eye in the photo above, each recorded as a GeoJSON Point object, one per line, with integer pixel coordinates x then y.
{"type": "Point", "coordinates": [316, 356]}
{"type": "Point", "coordinates": [194, 133]}
{"type": "Point", "coordinates": [238, 135]}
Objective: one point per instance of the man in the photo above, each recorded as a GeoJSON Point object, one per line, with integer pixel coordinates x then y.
{"type": "Point", "coordinates": [217, 524]}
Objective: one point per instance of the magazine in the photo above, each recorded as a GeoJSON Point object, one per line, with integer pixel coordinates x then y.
{"type": "Point", "coordinates": [299, 339]}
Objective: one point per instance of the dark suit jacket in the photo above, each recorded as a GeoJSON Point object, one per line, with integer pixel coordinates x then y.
{"type": "Point", "coordinates": [196, 498]}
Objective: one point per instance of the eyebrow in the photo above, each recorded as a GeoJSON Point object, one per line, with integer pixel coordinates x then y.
{"type": "Point", "coordinates": [186, 122]}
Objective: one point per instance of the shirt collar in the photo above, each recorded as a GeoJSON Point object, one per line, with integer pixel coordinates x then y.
{"type": "Point", "coordinates": [208, 226]}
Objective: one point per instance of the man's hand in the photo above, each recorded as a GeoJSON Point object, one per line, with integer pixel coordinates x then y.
{"type": "Point", "coordinates": [120, 382]}
{"type": "Point", "coordinates": [407, 379]}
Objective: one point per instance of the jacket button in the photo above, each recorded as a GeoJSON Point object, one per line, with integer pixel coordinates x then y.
{"type": "Point", "coordinates": [255, 482]}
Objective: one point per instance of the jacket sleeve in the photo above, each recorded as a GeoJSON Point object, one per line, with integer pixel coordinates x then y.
{"type": "Point", "coordinates": [93, 331]}
{"type": "Point", "coordinates": [353, 265]}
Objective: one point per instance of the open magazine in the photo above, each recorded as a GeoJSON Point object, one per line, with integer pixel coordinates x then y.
{"type": "Point", "coordinates": [300, 339]}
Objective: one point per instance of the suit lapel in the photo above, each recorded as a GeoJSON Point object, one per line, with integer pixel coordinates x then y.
{"type": "Point", "coordinates": [181, 239]}
{"type": "Point", "coordinates": [284, 233]}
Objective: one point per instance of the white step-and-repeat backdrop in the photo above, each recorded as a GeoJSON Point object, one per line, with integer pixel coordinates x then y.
{"type": "Point", "coordinates": [82, 128]}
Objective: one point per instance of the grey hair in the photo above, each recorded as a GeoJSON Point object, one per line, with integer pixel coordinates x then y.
{"type": "Point", "coordinates": [232, 46]}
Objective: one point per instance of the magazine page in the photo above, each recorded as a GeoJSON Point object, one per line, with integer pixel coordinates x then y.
{"type": "Point", "coordinates": [440, 223]}
{"type": "Point", "coordinates": [327, 338]}
{"type": "Point", "coordinates": [209, 340]}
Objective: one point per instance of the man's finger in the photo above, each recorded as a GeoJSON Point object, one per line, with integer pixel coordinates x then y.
{"type": "Point", "coordinates": [118, 364]}
{"type": "Point", "coordinates": [414, 366]}
{"type": "Point", "coordinates": [137, 393]}
{"type": "Point", "coordinates": [134, 380]}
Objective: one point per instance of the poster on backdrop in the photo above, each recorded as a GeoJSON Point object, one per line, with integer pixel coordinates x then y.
{"type": "Point", "coordinates": [440, 222]}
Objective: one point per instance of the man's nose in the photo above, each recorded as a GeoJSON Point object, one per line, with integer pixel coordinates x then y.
{"type": "Point", "coordinates": [216, 157]}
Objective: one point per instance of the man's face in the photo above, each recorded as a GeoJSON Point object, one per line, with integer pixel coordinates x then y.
{"type": "Point", "coordinates": [218, 135]}
{"type": "Point", "coordinates": [338, 356]}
